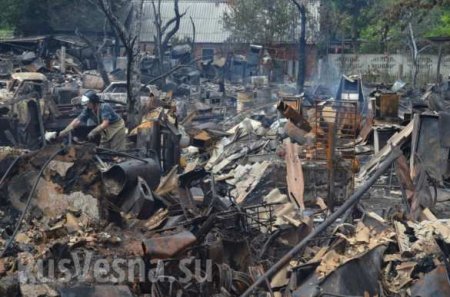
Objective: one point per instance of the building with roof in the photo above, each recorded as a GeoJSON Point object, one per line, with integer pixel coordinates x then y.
{"type": "Point", "coordinates": [207, 17]}
{"type": "Point", "coordinates": [213, 39]}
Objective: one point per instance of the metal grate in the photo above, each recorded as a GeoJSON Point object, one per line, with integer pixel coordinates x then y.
{"type": "Point", "coordinates": [258, 217]}
{"type": "Point", "coordinates": [337, 124]}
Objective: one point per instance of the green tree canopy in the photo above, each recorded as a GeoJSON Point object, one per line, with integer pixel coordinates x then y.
{"type": "Point", "coordinates": [380, 25]}
{"type": "Point", "coordinates": [262, 21]}
{"type": "Point", "coordinates": [442, 27]}
{"type": "Point", "coordinates": [38, 17]}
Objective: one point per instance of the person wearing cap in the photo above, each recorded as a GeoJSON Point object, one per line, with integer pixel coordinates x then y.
{"type": "Point", "coordinates": [108, 123]}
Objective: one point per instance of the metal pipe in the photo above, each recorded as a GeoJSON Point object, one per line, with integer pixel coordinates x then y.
{"type": "Point", "coordinates": [395, 153]}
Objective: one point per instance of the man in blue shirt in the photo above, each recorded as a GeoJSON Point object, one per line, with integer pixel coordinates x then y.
{"type": "Point", "coordinates": [108, 123]}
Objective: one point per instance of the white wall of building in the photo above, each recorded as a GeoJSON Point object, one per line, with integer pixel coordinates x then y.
{"type": "Point", "coordinates": [383, 68]}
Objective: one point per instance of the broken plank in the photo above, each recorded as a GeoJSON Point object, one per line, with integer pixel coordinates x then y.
{"type": "Point", "coordinates": [294, 176]}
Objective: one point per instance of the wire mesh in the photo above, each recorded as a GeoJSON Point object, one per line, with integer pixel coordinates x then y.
{"type": "Point", "coordinates": [336, 122]}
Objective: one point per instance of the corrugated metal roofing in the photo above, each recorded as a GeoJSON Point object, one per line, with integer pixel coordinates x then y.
{"type": "Point", "coordinates": [208, 18]}
{"type": "Point", "coordinates": [206, 15]}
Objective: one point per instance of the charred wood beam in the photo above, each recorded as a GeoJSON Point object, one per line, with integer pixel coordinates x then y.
{"type": "Point", "coordinates": [385, 165]}
{"type": "Point", "coordinates": [293, 115]}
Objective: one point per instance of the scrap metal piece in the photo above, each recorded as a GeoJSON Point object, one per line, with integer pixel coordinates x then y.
{"type": "Point", "coordinates": [436, 284]}
{"type": "Point", "coordinates": [406, 183]}
{"type": "Point", "coordinates": [444, 131]}
{"type": "Point", "coordinates": [385, 165]}
{"type": "Point", "coordinates": [381, 135]}
{"type": "Point", "coordinates": [356, 277]}
{"type": "Point", "coordinates": [186, 199]}
{"type": "Point", "coordinates": [167, 246]}
{"type": "Point", "coordinates": [397, 140]}
{"type": "Point", "coordinates": [168, 187]}
{"type": "Point", "coordinates": [125, 175]}
{"type": "Point", "coordinates": [232, 281]}
{"type": "Point", "coordinates": [350, 88]}
{"type": "Point", "coordinates": [139, 200]}
{"type": "Point", "coordinates": [422, 196]}
{"type": "Point", "coordinates": [386, 106]}
{"type": "Point", "coordinates": [428, 147]}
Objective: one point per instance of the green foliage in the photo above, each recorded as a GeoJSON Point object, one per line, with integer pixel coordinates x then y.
{"type": "Point", "coordinates": [67, 15]}
{"type": "Point", "coordinates": [9, 13]}
{"type": "Point", "coordinates": [262, 21]}
{"type": "Point", "coordinates": [380, 26]}
{"type": "Point", "coordinates": [442, 28]}
{"type": "Point", "coordinates": [348, 17]}
{"type": "Point", "coordinates": [40, 17]}
{"type": "Point", "coordinates": [33, 18]}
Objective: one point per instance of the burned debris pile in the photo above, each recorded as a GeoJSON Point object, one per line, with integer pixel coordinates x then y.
{"type": "Point", "coordinates": [242, 189]}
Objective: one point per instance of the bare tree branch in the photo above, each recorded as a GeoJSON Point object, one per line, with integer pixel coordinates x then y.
{"type": "Point", "coordinates": [162, 37]}
{"type": "Point", "coordinates": [424, 48]}
{"type": "Point", "coordinates": [171, 21]}
{"type": "Point", "coordinates": [175, 29]}
{"type": "Point", "coordinates": [299, 6]}
{"type": "Point", "coordinates": [193, 35]}
{"type": "Point", "coordinates": [97, 52]}
{"type": "Point", "coordinates": [130, 41]}
{"type": "Point", "coordinates": [412, 40]}
{"type": "Point", "coordinates": [84, 38]}
{"type": "Point", "coordinates": [158, 36]}
{"type": "Point", "coordinates": [105, 37]}
{"type": "Point", "coordinates": [116, 24]}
